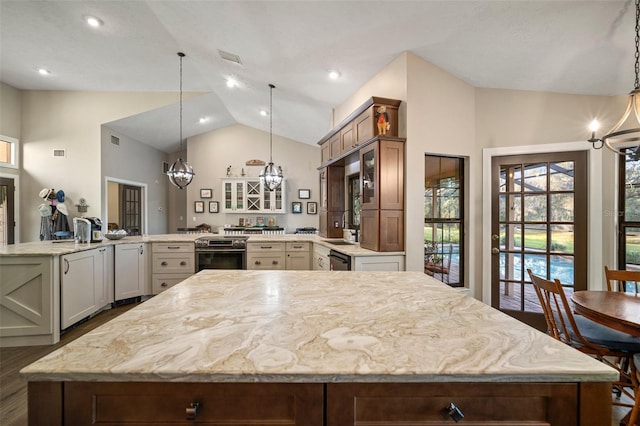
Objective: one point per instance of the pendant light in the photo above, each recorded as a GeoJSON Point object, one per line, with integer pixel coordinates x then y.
{"type": "Point", "coordinates": [627, 137]}
{"type": "Point", "coordinates": [271, 177]}
{"type": "Point", "coordinates": [180, 173]}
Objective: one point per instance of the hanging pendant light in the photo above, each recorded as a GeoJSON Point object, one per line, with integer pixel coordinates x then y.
{"type": "Point", "coordinates": [271, 177]}
{"type": "Point", "coordinates": [629, 136]}
{"type": "Point", "coordinates": [180, 173]}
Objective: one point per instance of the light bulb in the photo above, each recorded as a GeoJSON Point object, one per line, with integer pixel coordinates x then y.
{"type": "Point", "coordinates": [93, 21]}
{"type": "Point", "coordinates": [594, 125]}
{"type": "Point", "coordinates": [231, 83]}
{"type": "Point", "coordinates": [333, 74]}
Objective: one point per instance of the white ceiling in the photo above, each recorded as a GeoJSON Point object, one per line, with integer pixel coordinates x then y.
{"type": "Point", "coordinates": [583, 47]}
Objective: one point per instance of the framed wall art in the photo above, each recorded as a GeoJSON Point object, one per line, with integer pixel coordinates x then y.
{"type": "Point", "coordinates": [206, 193]}
{"type": "Point", "coordinates": [198, 206]}
{"type": "Point", "coordinates": [312, 207]}
{"type": "Point", "coordinates": [296, 207]}
{"type": "Point", "coordinates": [213, 207]}
{"type": "Point", "coordinates": [304, 194]}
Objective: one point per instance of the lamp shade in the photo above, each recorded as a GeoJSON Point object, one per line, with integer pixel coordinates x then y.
{"type": "Point", "coordinates": [180, 174]}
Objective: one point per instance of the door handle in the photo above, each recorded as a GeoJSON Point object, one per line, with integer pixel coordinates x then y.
{"type": "Point", "coordinates": [495, 250]}
{"type": "Point", "coordinates": [495, 237]}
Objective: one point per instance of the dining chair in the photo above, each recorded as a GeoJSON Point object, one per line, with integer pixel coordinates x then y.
{"type": "Point", "coordinates": [603, 343]}
{"type": "Point", "coordinates": [635, 411]}
{"type": "Point", "coordinates": [621, 280]}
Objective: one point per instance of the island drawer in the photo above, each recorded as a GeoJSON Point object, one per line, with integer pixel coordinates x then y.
{"type": "Point", "coordinates": [173, 263]}
{"type": "Point", "coordinates": [172, 247]}
{"type": "Point", "coordinates": [265, 247]}
{"type": "Point", "coordinates": [161, 282]}
{"type": "Point", "coordinates": [480, 403]}
{"type": "Point", "coordinates": [298, 247]}
{"type": "Point", "coordinates": [170, 403]}
{"type": "Point", "coordinates": [266, 261]}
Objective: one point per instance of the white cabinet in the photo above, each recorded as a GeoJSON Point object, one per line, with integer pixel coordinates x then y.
{"type": "Point", "coordinates": [298, 256]}
{"type": "Point", "coordinates": [84, 284]}
{"type": "Point", "coordinates": [171, 264]}
{"type": "Point", "coordinates": [379, 263]}
{"type": "Point", "coordinates": [266, 255]}
{"type": "Point", "coordinates": [247, 195]}
{"type": "Point", "coordinates": [130, 270]}
{"type": "Point", "coordinates": [320, 258]}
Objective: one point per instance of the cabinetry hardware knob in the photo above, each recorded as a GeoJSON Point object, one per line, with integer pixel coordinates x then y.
{"type": "Point", "coordinates": [164, 263]}
{"type": "Point", "coordinates": [274, 262]}
{"type": "Point", "coordinates": [495, 237]}
{"type": "Point", "coordinates": [454, 412]}
{"type": "Point", "coordinates": [192, 410]}
{"type": "Point", "coordinates": [163, 285]}
{"type": "Point", "coordinates": [183, 263]}
{"type": "Point", "coordinates": [495, 250]}
{"type": "Point", "coordinates": [257, 262]}
{"type": "Point", "coordinates": [141, 250]}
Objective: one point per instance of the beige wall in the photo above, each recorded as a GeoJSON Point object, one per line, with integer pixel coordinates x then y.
{"type": "Point", "coordinates": [70, 121]}
{"type": "Point", "coordinates": [211, 153]}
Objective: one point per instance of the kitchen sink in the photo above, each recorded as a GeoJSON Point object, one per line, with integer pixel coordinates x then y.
{"type": "Point", "coordinates": [341, 243]}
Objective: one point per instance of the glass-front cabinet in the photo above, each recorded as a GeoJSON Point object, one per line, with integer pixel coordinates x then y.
{"type": "Point", "coordinates": [247, 195]}
{"type": "Point", "coordinates": [369, 174]}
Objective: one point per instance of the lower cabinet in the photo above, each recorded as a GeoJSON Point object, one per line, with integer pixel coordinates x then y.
{"type": "Point", "coordinates": [130, 267]}
{"type": "Point", "coordinates": [267, 255]}
{"type": "Point", "coordinates": [320, 261]}
{"type": "Point", "coordinates": [379, 263]}
{"type": "Point", "coordinates": [330, 404]}
{"type": "Point", "coordinates": [298, 256]}
{"type": "Point", "coordinates": [171, 263]}
{"type": "Point", "coordinates": [85, 284]}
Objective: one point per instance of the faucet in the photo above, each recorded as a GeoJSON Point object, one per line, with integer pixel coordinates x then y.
{"type": "Point", "coordinates": [344, 219]}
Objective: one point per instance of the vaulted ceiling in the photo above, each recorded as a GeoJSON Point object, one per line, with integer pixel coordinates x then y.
{"type": "Point", "coordinates": [582, 47]}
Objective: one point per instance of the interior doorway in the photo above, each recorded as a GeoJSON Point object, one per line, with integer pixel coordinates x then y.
{"type": "Point", "coordinates": [7, 211]}
{"type": "Point", "coordinates": [126, 203]}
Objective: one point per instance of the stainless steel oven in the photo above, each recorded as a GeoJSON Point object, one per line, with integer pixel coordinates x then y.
{"type": "Point", "coordinates": [221, 252]}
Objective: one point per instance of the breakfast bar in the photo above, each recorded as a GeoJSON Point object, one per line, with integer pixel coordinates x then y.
{"type": "Point", "coordinates": [314, 348]}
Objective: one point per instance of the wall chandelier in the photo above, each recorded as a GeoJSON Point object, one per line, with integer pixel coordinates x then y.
{"type": "Point", "coordinates": [180, 173]}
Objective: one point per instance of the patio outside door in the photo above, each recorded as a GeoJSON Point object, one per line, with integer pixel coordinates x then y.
{"type": "Point", "coordinates": [539, 222]}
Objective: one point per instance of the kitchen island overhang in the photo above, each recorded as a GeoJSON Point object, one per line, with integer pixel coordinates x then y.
{"type": "Point", "coordinates": [314, 327]}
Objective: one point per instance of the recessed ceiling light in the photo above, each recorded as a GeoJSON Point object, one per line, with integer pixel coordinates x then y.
{"type": "Point", "coordinates": [93, 21]}
{"type": "Point", "coordinates": [203, 120]}
{"type": "Point", "coordinates": [44, 71]}
{"type": "Point", "coordinates": [232, 82]}
{"type": "Point", "coordinates": [263, 113]}
{"type": "Point", "coordinates": [334, 75]}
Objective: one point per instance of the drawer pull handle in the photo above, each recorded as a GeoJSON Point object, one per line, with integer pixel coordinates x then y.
{"type": "Point", "coordinates": [265, 247]}
{"type": "Point", "coordinates": [454, 412]}
{"type": "Point", "coordinates": [192, 410]}
{"type": "Point", "coordinates": [173, 247]}
{"type": "Point", "coordinates": [183, 263]}
{"type": "Point", "coordinates": [164, 264]}
{"type": "Point", "coordinates": [297, 246]}
{"type": "Point", "coordinates": [274, 262]}
{"type": "Point", "coordinates": [257, 262]}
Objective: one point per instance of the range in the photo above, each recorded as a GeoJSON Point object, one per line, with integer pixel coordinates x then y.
{"type": "Point", "coordinates": [221, 252]}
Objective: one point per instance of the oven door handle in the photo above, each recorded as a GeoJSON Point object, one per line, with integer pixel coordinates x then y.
{"type": "Point", "coordinates": [220, 250]}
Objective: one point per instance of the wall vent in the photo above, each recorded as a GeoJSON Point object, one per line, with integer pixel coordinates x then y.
{"type": "Point", "coordinates": [115, 140]}
{"type": "Point", "coordinates": [165, 167]}
{"type": "Point", "coordinates": [229, 57]}
{"type": "Point", "coordinates": [59, 153]}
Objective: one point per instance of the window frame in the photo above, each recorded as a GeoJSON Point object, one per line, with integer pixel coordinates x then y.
{"type": "Point", "coordinates": [14, 154]}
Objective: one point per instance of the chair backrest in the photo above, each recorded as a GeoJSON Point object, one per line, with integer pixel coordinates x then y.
{"type": "Point", "coordinates": [557, 313]}
{"type": "Point", "coordinates": [618, 280]}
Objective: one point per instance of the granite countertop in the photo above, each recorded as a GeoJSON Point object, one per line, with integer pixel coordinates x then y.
{"type": "Point", "coordinates": [58, 248]}
{"type": "Point", "coordinates": [315, 326]}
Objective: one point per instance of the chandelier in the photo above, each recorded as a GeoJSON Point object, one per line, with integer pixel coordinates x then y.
{"type": "Point", "coordinates": [271, 177]}
{"type": "Point", "coordinates": [180, 173]}
{"type": "Point", "coordinates": [628, 136]}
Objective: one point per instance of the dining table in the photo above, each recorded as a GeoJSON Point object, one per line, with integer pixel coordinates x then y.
{"type": "Point", "coordinates": [617, 310]}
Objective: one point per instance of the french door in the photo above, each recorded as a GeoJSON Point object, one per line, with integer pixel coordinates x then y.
{"type": "Point", "coordinates": [131, 205]}
{"type": "Point", "coordinates": [7, 211]}
{"type": "Point", "coordinates": [539, 222]}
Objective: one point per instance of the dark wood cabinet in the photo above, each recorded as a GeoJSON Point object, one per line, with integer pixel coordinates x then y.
{"type": "Point", "coordinates": [311, 404]}
{"type": "Point", "coordinates": [382, 230]}
{"type": "Point", "coordinates": [332, 190]}
{"type": "Point", "coordinates": [347, 139]}
{"type": "Point", "coordinates": [364, 128]}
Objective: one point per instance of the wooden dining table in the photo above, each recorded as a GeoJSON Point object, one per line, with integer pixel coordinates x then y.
{"type": "Point", "coordinates": [617, 310]}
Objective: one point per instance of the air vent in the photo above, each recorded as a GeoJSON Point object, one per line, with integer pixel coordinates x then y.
{"type": "Point", "coordinates": [59, 153]}
{"type": "Point", "coordinates": [229, 57]}
{"type": "Point", "coordinates": [115, 140]}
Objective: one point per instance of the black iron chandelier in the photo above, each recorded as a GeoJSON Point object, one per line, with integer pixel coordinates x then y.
{"type": "Point", "coordinates": [180, 173]}
{"type": "Point", "coordinates": [271, 177]}
{"type": "Point", "coordinates": [628, 136]}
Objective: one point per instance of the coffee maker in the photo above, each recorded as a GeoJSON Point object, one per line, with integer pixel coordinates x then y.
{"type": "Point", "coordinates": [96, 229]}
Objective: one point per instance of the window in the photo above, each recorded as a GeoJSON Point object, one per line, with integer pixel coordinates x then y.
{"type": "Point", "coordinates": [8, 152]}
{"type": "Point", "coordinates": [629, 211]}
{"type": "Point", "coordinates": [443, 214]}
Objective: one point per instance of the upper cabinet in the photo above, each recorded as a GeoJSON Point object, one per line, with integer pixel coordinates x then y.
{"type": "Point", "coordinates": [248, 195]}
{"type": "Point", "coordinates": [376, 117]}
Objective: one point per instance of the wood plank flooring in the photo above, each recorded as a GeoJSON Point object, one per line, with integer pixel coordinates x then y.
{"type": "Point", "coordinates": [13, 390]}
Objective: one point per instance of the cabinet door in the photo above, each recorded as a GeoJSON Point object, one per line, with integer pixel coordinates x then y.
{"type": "Point", "coordinates": [347, 140]}
{"type": "Point", "coordinates": [130, 273]}
{"type": "Point", "coordinates": [335, 146]}
{"type": "Point", "coordinates": [104, 293]}
{"type": "Point", "coordinates": [363, 127]}
{"type": "Point", "coordinates": [391, 176]}
{"type": "Point", "coordinates": [298, 256]}
{"type": "Point", "coordinates": [323, 189]}
{"type": "Point", "coordinates": [81, 276]}
{"type": "Point", "coordinates": [274, 201]}
{"type": "Point", "coordinates": [369, 229]}
{"type": "Point", "coordinates": [325, 152]}
{"type": "Point", "coordinates": [234, 194]}
{"type": "Point", "coordinates": [369, 176]}
{"type": "Point", "coordinates": [254, 196]}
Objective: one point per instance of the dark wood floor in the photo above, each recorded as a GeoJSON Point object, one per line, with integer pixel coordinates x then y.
{"type": "Point", "coordinates": [13, 390]}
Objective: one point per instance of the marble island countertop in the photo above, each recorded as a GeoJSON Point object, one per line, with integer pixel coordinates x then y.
{"type": "Point", "coordinates": [62, 247]}
{"type": "Point", "coordinates": [314, 326]}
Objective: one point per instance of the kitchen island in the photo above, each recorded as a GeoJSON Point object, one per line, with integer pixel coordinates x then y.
{"type": "Point", "coordinates": [314, 348]}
